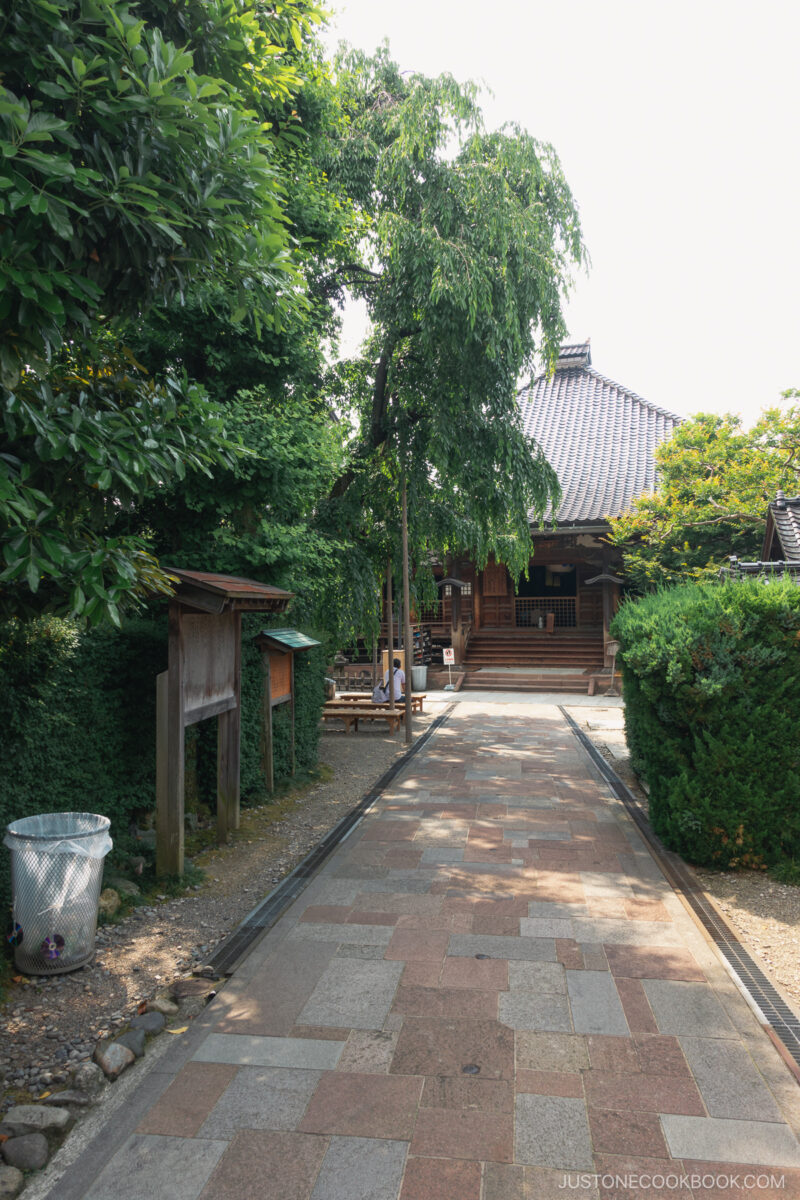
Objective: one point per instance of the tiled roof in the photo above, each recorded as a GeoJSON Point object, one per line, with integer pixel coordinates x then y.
{"type": "Point", "coordinates": [785, 513]}
{"type": "Point", "coordinates": [598, 436]}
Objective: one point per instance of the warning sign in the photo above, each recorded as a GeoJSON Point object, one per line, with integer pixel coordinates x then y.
{"type": "Point", "coordinates": [449, 655]}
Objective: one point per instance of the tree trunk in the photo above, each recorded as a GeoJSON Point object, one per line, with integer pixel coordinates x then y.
{"type": "Point", "coordinates": [409, 645]}
{"type": "Point", "coordinates": [390, 623]}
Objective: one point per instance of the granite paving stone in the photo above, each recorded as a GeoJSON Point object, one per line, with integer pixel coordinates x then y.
{"type": "Point", "coordinates": [461, 1133]}
{"type": "Point", "coordinates": [269, 1165]}
{"type": "Point", "coordinates": [654, 962]}
{"type": "Point", "coordinates": [418, 945]}
{"type": "Point", "coordinates": [468, 1092]}
{"type": "Point", "coordinates": [729, 1081]}
{"type": "Point", "coordinates": [363, 1105]}
{"type": "Point", "coordinates": [642, 1093]}
{"type": "Point", "coordinates": [149, 1165]}
{"type": "Point", "coordinates": [549, 1083]}
{"type": "Point", "coordinates": [352, 993]}
{"type": "Point", "coordinates": [546, 927]}
{"type": "Point", "coordinates": [361, 1169]}
{"type": "Point", "coordinates": [366, 935]}
{"type": "Point", "coordinates": [503, 1181]}
{"type": "Point", "coordinates": [523, 1009]}
{"type": "Point", "coordinates": [551, 1051]}
{"type": "Point", "coordinates": [595, 1003]}
{"type": "Point", "coordinates": [276, 993]}
{"type": "Point", "coordinates": [687, 1008]}
{"type": "Point", "coordinates": [635, 1004]}
{"type": "Point", "coordinates": [532, 949]}
{"type": "Point", "coordinates": [188, 1100]}
{"type": "Point", "coordinates": [444, 1047]}
{"type": "Point", "coordinates": [629, 1132]}
{"type": "Point", "coordinates": [261, 1098]}
{"type": "Point", "coordinates": [441, 1179]}
{"type": "Point", "coordinates": [552, 1131]}
{"type": "Point", "coordinates": [369, 1050]}
{"type": "Point", "coordinates": [246, 1051]}
{"type": "Point", "coordinates": [717, 1139]}
{"type": "Point", "coordinates": [446, 1002]}
{"type": "Point", "coordinates": [491, 974]}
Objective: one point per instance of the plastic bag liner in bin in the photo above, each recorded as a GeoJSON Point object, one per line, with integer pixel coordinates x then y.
{"type": "Point", "coordinates": [56, 876]}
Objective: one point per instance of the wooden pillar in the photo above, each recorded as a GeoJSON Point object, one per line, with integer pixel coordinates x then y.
{"type": "Point", "coordinates": [291, 704]}
{"type": "Point", "coordinates": [408, 640]}
{"type": "Point", "coordinates": [390, 624]}
{"type": "Point", "coordinates": [170, 772]}
{"type": "Point", "coordinates": [229, 748]}
{"type": "Point", "coordinates": [266, 726]}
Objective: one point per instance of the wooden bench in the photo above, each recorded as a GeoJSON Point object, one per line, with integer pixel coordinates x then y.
{"type": "Point", "coordinates": [351, 714]}
{"type": "Point", "coordinates": [417, 699]}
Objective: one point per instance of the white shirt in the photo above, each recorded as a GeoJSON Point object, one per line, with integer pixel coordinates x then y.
{"type": "Point", "coordinates": [399, 681]}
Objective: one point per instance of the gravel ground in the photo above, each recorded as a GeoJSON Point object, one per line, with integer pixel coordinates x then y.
{"type": "Point", "coordinates": [50, 1023]}
{"type": "Point", "coordinates": [764, 914]}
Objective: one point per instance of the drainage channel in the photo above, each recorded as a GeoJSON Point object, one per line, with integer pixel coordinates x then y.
{"type": "Point", "coordinates": [767, 1002]}
{"type": "Point", "coordinates": [267, 912]}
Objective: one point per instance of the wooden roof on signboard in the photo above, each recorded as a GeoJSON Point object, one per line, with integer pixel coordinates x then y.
{"type": "Point", "coordinates": [214, 593]}
{"type": "Point", "coordinates": [285, 640]}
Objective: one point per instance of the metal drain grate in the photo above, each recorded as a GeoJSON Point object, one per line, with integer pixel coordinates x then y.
{"type": "Point", "coordinates": [768, 1002]}
{"type": "Point", "coordinates": [266, 913]}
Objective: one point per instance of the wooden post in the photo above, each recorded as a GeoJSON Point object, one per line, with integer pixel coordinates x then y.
{"type": "Point", "coordinates": [291, 704]}
{"type": "Point", "coordinates": [407, 638]}
{"type": "Point", "coordinates": [269, 752]}
{"type": "Point", "coordinates": [169, 814]}
{"type": "Point", "coordinates": [390, 623]}
{"type": "Point", "coordinates": [162, 768]}
{"type": "Point", "coordinates": [228, 750]}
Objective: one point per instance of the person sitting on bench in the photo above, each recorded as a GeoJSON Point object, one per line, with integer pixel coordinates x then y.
{"type": "Point", "coordinates": [381, 694]}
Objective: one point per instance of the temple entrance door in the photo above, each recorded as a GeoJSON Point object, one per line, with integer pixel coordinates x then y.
{"type": "Point", "coordinates": [497, 603]}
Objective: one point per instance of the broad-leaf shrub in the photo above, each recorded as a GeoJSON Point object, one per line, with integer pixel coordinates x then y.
{"type": "Point", "coordinates": [711, 677]}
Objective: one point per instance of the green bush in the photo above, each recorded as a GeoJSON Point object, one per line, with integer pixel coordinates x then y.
{"type": "Point", "coordinates": [77, 722]}
{"type": "Point", "coordinates": [711, 678]}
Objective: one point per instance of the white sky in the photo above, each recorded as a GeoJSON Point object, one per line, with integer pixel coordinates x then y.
{"type": "Point", "coordinates": [676, 124]}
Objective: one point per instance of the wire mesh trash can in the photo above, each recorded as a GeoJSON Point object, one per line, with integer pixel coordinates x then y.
{"type": "Point", "coordinates": [56, 875]}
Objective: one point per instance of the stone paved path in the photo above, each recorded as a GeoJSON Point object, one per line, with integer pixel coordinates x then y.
{"type": "Point", "coordinates": [489, 992]}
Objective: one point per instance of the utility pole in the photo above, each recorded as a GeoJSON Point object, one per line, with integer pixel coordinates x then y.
{"type": "Point", "coordinates": [407, 639]}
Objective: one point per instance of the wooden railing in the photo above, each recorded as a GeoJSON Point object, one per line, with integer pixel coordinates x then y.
{"type": "Point", "coordinates": [530, 608]}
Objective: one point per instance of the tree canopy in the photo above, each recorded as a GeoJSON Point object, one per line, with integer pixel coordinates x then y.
{"type": "Point", "coordinates": [468, 242]}
{"type": "Point", "coordinates": [715, 480]}
{"type": "Point", "coordinates": [135, 162]}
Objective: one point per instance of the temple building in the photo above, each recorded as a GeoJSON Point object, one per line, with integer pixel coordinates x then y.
{"type": "Point", "coordinates": [600, 438]}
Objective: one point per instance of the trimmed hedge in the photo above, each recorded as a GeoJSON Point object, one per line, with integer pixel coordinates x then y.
{"type": "Point", "coordinates": [77, 722]}
{"type": "Point", "coordinates": [711, 679]}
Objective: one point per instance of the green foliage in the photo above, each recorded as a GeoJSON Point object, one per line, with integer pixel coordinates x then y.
{"type": "Point", "coordinates": [715, 480]}
{"type": "Point", "coordinates": [258, 519]}
{"type": "Point", "coordinates": [467, 246]}
{"type": "Point", "coordinates": [80, 447]}
{"type": "Point", "coordinates": [135, 162]}
{"type": "Point", "coordinates": [77, 721]}
{"type": "Point", "coordinates": [712, 687]}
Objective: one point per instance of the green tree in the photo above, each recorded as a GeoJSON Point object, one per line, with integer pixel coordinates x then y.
{"type": "Point", "coordinates": [468, 241]}
{"type": "Point", "coordinates": [135, 161]}
{"type": "Point", "coordinates": [715, 480]}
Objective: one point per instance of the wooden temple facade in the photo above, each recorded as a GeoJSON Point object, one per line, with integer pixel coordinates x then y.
{"type": "Point", "coordinates": [600, 439]}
